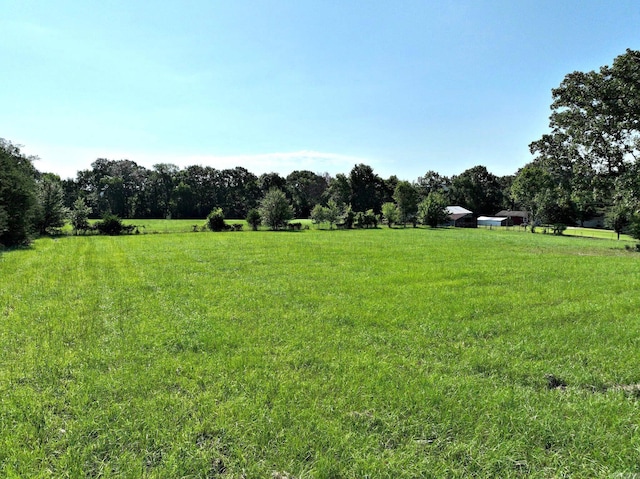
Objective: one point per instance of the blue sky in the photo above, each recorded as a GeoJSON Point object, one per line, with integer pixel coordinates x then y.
{"type": "Point", "coordinates": [404, 86]}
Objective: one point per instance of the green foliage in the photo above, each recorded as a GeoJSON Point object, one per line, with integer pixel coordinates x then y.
{"type": "Point", "coordinates": [348, 217]}
{"type": "Point", "coordinates": [215, 220]}
{"type": "Point", "coordinates": [433, 181]}
{"type": "Point", "coordinates": [432, 210]}
{"type": "Point", "coordinates": [339, 190]}
{"type": "Point", "coordinates": [406, 197]}
{"type": "Point", "coordinates": [618, 218]}
{"type": "Point", "coordinates": [589, 159]}
{"type": "Point", "coordinates": [112, 225]}
{"type": "Point", "coordinates": [318, 214]}
{"type": "Point", "coordinates": [634, 226]}
{"type": "Point", "coordinates": [253, 219]}
{"type": "Point", "coordinates": [333, 213]}
{"type": "Point", "coordinates": [306, 189]}
{"type": "Point", "coordinates": [18, 202]}
{"type": "Point", "coordinates": [109, 225]}
{"type": "Point", "coordinates": [51, 213]}
{"type": "Point", "coordinates": [326, 214]}
{"type": "Point", "coordinates": [365, 188]}
{"type": "Point", "coordinates": [366, 219]}
{"type": "Point", "coordinates": [559, 229]}
{"type": "Point", "coordinates": [390, 213]}
{"type": "Point", "coordinates": [275, 209]}
{"type": "Point", "coordinates": [478, 190]}
{"type": "Point", "coordinates": [79, 216]}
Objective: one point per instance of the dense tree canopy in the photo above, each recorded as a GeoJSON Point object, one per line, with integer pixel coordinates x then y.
{"type": "Point", "coordinates": [365, 189]}
{"type": "Point", "coordinates": [590, 157]}
{"type": "Point", "coordinates": [478, 190]}
{"type": "Point", "coordinates": [406, 197]}
{"type": "Point", "coordinates": [18, 200]}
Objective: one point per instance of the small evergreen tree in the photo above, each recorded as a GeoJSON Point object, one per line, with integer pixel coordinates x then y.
{"type": "Point", "coordinates": [18, 203]}
{"type": "Point", "coordinates": [51, 210]}
{"type": "Point", "coordinates": [79, 216]}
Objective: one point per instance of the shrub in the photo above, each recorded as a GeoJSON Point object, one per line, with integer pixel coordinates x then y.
{"type": "Point", "coordinates": [348, 217]}
{"type": "Point", "coordinates": [371, 219]}
{"type": "Point", "coordinates": [559, 229]}
{"type": "Point", "coordinates": [215, 220]}
{"type": "Point", "coordinates": [112, 225]}
{"type": "Point", "coordinates": [253, 219]}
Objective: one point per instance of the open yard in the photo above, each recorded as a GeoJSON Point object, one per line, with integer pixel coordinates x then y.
{"type": "Point", "coordinates": [396, 353]}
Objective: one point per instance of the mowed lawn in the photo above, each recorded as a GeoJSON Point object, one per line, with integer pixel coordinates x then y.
{"type": "Point", "coordinates": [388, 353]}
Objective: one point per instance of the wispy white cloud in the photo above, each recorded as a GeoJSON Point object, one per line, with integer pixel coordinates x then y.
{"type": "Point", "coordinates": [66, 162]}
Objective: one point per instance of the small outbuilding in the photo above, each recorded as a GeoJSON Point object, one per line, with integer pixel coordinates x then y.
{"type": "Point", "coordinates": [461, 217]}
{"type": "Point", "coordinates": [515, 217]}
{"type": "Point", "coordinates": [493, 221]}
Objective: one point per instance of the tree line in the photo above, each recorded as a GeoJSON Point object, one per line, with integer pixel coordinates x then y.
{"type": "Point", "coordinates": [587, 166]}
{"type": "Point", "coordinates": [129, 190]}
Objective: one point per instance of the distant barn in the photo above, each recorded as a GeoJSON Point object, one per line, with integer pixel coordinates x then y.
{"type": "Point", "coordinates": [515, 217]}
{"type": "Point", "coordinates": [460, 217]}
{"type": "Point", "coordinates": [493, 221]}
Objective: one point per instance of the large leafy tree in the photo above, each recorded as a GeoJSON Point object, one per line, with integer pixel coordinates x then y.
{"type": "Point", "coordinates": [433, 181]}
{"type": "Point", "coordinates": [266, 181]}
{"type": "Point", "coordinates": [238, 191]}
{"type": "Point", "coordinates": [113, 186]}
{"type": "Point", "coordinates": [161, 190]}
{"type": "Point", "coordinates": [365, 189]}
{"type": "Point", "coordinates": [432, 210]}
{"type": "Point", "coordinates": [339, 190]}
{"type": "Point", "coordinates": [477, 190]}
{"type": "Point", "coordinates": [306, 189]}
{"type": "Point", "coordinates": [535, 189]}
{"type": "Point", "coordinates": [406, 197]}
{"type": "Point", "coordinates": [595, 133]}
{"type": "Point", "coordinates": [275, 209]}
{"type": "Point", "coordinates": [599, 113]}
{"type": "Point", "coordinates": [197, 192]}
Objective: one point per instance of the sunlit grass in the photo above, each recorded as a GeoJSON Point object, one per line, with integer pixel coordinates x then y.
{"type": "Point", "coordinates": [380, 353]}
{"type": "Point", "coordinates": [597, 233]}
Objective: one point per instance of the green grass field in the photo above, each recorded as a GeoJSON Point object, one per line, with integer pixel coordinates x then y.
{"type": "Point", "coordinates": [393, 353]}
